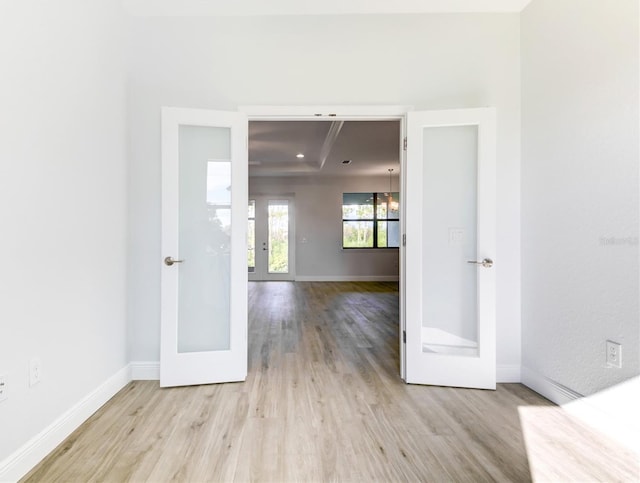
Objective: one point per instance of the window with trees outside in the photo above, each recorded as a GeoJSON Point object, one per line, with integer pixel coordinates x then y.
{"type": "Point", "coordinates": [370, 220]}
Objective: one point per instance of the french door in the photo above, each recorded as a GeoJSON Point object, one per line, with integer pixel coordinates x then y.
{"type": "Point", "coordinates": [204, 229]}
{"type": "Point", "coordinates": [448, 272]}
{"type": "Point", "coordinates": [450, 248]}
{"type": "Point", "coordinates": [271, 246]}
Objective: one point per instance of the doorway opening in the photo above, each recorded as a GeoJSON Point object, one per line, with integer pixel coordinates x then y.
{"type": "Point", "coordinates": [271, 238]}
{"type": "Point", "coordinates": [325, 206]}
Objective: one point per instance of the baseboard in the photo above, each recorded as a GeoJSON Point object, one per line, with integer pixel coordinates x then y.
{"type": "Point", "coordinates": [347, 278]}
{"type": "Point", "coordinates": [150, 371]}
{"type": "Point", "coordinates": [553, 391]}
{"type": "Point", "coordinates": [145, 370]}
{"type": "Point", "coordinates": [612, 411]}
{"type": "Point", "coordinates": [508, 373]}
{"type": "Point", "coordinates": [31, 453]}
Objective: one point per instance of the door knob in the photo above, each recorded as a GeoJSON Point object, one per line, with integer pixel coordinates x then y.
{"type": "Point", "coordinates": [168, 261]}
{"type": "Point", "coordinates": [486, 263]}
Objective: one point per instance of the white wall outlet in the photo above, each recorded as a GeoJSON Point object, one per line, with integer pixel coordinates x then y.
{"type": "Point", "coordinates": [35, 371]}
{"type": "Point", "coordinates": [614, 354]}
{"type": "Point", "coordinates": [3, 388]}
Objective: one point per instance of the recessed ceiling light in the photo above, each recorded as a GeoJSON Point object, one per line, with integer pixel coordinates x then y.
{"type": "Point", "coordinates": [346, 161]}
{"type": "Point", "coordinates": [299, 155]}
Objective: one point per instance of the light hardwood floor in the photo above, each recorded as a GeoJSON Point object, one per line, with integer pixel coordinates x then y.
{"type": "Point", "coordinates": [323, 401]}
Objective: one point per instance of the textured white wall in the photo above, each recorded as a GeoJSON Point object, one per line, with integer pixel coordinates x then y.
{"type": "Point", "coordinates": [580, 190]}
{"type": "Point", "coordinates": [428, 61]}
{"type": "Point", "coordinates": [318, 211]}
{"type": "Point", "coordinates": [62, 206]}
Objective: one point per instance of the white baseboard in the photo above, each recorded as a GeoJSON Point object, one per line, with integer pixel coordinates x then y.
{"type": "Point", "coordinates": [550, 389]}
{"type": "Point", "coordinates": [612, 411]}
{"type": "Point", "coordinates": [150, 371]}
{"type": "Point", "coordinates": [347, 278]}
{"type": "Point", "coordinates": [145, 370]}
{"type": "Point", "coordinates": [33, 451]}
{"type": "Point", "coordinates": [507, 373]}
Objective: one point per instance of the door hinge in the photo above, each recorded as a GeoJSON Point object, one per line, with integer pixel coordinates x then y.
{"type": "Point", "coordinates": [404, 336]}
{"type": "Point", "coordinates": [404, 239]}
{"type": "Point", "coordinates": [405, 144]}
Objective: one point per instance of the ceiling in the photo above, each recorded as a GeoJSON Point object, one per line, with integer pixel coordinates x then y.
{"type": "Point", "coordinates": [314, 7]}
{"type": "Point", "coordinates": [373, 147]}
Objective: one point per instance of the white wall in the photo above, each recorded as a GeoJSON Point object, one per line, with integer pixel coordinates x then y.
{"type": "Point", "coordinates": [428, 61]}
{"type": "Point", "coordinates": [580, 191]}
{"type": "Point", "coordinates": [62, 207]}
{"type": "Point", "coordinates": [326, 7]}
{"type": "Point", "coordinates": [318, 211]}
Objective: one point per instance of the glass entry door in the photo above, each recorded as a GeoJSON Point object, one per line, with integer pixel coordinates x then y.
{"type": "Point", "coordinates": [203, 283]}
{"type": "Point", "coordinates": [450, 248]}
{"type": "Point", "coordinates": [271, 240]}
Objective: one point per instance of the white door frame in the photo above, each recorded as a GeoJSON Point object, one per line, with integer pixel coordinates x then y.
{"type": "Point", "coordinates": [353, 113]}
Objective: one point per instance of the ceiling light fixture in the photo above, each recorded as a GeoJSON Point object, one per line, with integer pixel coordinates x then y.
{"type": "Point", "coordinates": [299, 155]}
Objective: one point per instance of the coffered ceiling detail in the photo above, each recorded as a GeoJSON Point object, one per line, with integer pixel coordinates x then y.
{"type": "Point", "coordinates": [323, 148]}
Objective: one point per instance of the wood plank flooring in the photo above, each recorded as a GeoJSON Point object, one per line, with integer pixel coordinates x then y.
{"type": "Point", "coordinates": [323, 401]}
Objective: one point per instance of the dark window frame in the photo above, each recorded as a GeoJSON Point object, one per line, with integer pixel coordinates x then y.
{"type": "Point", "coordinates": [373, 220]}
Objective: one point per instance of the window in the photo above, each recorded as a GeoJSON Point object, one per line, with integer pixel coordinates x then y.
{"type": "Point", "coordinates": [278, 236]}
{"type": "Point", "coordinates": [370, 220]}
{"type": "Point", "coordinates": [251, 237]}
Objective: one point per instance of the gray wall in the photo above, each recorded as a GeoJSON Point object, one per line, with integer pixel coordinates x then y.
{"type": "Point", "coordinates": [63, 197]}
{"type": "Point", "coordinates": [580, 190]}
{"type": "Point", "coordinates": [318, 222]}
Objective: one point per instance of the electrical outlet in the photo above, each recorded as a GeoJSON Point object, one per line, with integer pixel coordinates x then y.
{"type": "Point", "coordinates": [35, 371]}
{"type": "Point", "coordinates": [614, 354]}
{"type": "Point", "coordinates": [3, 388]}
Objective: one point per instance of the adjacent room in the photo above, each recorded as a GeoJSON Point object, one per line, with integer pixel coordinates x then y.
{"type": "Point", "coordinates": [326, 177]}
{"type": "Point", "coordinates": [324, 226]}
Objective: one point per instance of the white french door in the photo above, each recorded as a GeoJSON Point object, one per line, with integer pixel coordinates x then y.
{"type": "Point", "coordinates": [204, 229]}
{"type": "Point", "coordinates": [450, 248]}
{"type": "Point", "coordinates": [271, 237]}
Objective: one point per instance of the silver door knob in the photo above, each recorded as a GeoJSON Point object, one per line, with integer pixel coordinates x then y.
{"type": "Point", "coordinates": [486, 263]}
{"type": "Point", "coordinates": [168, 261]}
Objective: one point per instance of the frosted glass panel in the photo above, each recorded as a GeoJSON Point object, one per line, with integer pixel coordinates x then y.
{"type": "Point", "coordinates": [204, 238]}
{"type": "Point", "coordinates": [450, 323]}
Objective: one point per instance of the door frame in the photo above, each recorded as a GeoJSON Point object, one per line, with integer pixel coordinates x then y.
{"type": "Point", "coordinates": [354, 113]}
{"type": "Point", "coordinates": [291, 274]}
